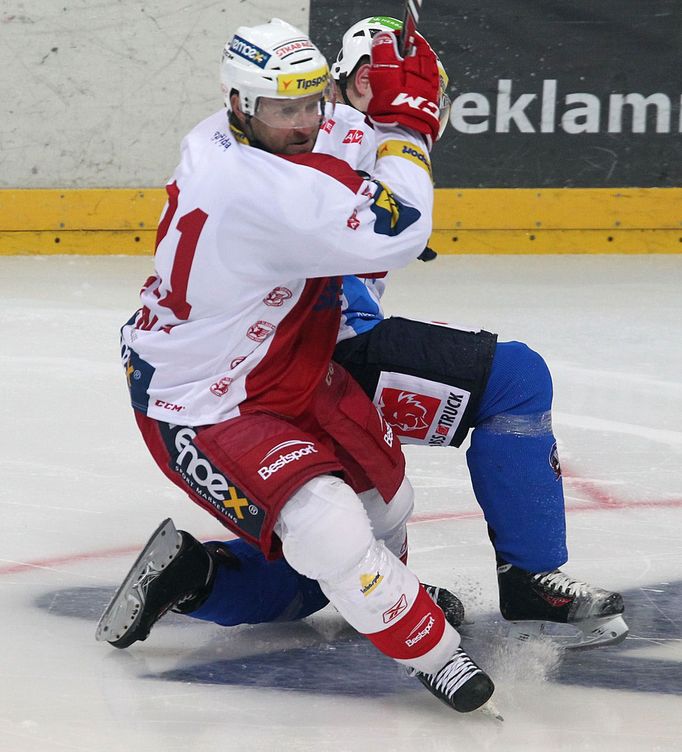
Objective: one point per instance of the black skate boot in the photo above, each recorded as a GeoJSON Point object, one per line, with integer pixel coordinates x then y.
{"type": "Point", "coordinates": [543, 598]}
{"type": "Point", "coordinates": [461, 684]}
{"type": "Point", "coordinates": [174, 571]}
{"type": "Point", "coordinates": [450, 604]}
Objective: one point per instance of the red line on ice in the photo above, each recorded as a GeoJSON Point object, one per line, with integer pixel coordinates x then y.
{"type": "Point", "coordinates": [600, 501]}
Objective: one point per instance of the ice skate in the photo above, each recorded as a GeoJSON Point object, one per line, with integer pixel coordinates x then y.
{"type": "Point", "coordinates": [536, 604]}
{"type": "Point", "coordinates": [460, 683]}
{"type": "Point", "coordinates": [450, 604]}
{"type": "Point", "coordinates": [173, 571]}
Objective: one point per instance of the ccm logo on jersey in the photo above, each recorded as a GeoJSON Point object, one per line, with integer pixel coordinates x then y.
{"type": "Point", "coordinates": [353, 136]}
{"type": "Point", "coordinates": [169, 406]}
{"type": "Point", "coordinates": [306, 448]}
{"type": "Point", "coordinates": [418, 103]}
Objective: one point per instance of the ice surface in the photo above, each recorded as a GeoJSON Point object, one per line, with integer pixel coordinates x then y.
{"type": "Point", "coordinates": [79, 496]}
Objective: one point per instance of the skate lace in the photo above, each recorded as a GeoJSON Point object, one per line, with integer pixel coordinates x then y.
{"type": "Point", "coordinates": [433, 592]}
{"type": "Point", "coordinates": [454, 674]}
{"type": "Point", "coordinates": [562, 584]}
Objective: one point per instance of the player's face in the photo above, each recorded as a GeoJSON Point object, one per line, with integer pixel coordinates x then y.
{"type": "Point", "coordinates": [288, 126]}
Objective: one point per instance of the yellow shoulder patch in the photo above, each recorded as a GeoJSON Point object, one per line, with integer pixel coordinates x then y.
{"type": "Point", "coordinates": [406, 150]}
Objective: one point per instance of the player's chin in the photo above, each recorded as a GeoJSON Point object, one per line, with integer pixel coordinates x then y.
{"type": "Point", "coordinates": [300, 146]}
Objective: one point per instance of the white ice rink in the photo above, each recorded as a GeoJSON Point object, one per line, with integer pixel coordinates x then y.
{"type": "Point", "coordinates": [79, 497]}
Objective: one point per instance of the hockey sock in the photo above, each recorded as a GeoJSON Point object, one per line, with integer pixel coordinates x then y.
{"type": "Point", "coordinates": [421, 639]}
{"type": "Point", "coordinates": [258, 591]}
{"type": "Point", "coordinates": [521, 497]}
{"type": "Point", "coordinates": [514, 464]}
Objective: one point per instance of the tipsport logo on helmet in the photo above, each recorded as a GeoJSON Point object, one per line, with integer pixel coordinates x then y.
{"type": "Point", "coordinates": [249, 51]}
{"type": "Point", "coordinates": [301, 84]}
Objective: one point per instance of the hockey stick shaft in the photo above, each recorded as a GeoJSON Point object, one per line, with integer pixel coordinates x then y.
{"type": "Point", "coordinates": [410, 21]}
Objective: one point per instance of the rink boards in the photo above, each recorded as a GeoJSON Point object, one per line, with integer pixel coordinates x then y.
{"type": "Point", "coordinates": [116, 221]}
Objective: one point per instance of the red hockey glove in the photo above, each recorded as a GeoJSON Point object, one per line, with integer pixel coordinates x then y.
{"type": "Point", "coordinates": [404, 91]}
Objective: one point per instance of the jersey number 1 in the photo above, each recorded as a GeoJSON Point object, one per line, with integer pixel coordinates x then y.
{"type": "Point", "coordinates": [189, 226]}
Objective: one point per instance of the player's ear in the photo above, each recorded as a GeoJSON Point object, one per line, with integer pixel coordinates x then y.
{"type": "Point", "coordinates": [236, 108]}
{"type": "Point", "coordinates": [362, 80]}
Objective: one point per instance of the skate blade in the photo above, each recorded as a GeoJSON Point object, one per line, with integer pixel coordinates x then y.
{"type": "Point", "coordinates": [489, 709]}
{"type": "Point", "coordinates": [123, 609]}
{"type": "Point", "coordinates": [590, 633]}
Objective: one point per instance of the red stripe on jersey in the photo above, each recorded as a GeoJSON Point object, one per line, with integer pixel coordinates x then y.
{"type": "Point", "coordinates": [299, 354]}
{"type": "Point", "coordinates": [333, 166]}
{"type": "Point", "coordinates": [173, 196]}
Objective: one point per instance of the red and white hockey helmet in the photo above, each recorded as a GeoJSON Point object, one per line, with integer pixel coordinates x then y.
{"type": "Point", "coordinates": [274, 60]}
{"type": "Point", "coordinates": [357, 42]}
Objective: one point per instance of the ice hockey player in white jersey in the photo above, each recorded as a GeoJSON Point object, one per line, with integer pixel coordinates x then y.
{"type": "Point", "coordinates": [228, 359]}
{"type": "Point", "coordinates": [500, 389]}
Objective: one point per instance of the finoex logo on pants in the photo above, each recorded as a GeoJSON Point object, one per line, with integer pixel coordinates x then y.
{"type": "Point", "coordinates": [208, 482]}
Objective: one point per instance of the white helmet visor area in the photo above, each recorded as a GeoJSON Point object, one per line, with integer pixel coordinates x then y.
{"type": "Point", "coordinates": [296, 112]}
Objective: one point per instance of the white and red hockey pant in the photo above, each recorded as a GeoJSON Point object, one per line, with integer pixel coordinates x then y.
{"type": "Point", "coordinates": [329, 535]}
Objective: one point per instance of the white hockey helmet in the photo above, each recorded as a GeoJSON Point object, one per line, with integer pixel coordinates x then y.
{"type": "Point", "coordinates": [274, 60]}
{"type": "Point", "coordinates": [357, 44]}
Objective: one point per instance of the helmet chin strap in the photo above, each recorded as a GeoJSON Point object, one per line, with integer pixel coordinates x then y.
{"type": "Point", "coordinates": [342, 85]}
{"type": "Point", "coordinates": [244, 132]}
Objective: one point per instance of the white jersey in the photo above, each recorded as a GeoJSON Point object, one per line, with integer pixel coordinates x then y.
{"type": "Point", "coordinates": [242, 312]}
{"type": "Point", "coordinates": [350, 136]}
